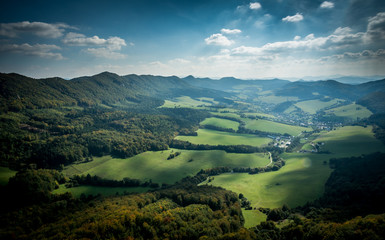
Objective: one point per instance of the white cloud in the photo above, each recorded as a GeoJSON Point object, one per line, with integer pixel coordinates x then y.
{"type": "Point", "coordinates": [218, 39]}
{"type": "Point", "coordinates": [177, 61]}
{"type": "Point", "coordinates": [115, 43]}
{"type": "Point", "coordinates": [77, 39]}
{"type": "Point", "coordinates": [310, 37]}
{"type": "Point", "coordinates": [343, 31]}
{"type": "Point", "coordinates": [365, 54]}
{"type": "Point", "coordinates": [376, 28]}
{"type": "Point", "coordinates": [40, 50]}
{"type": "Point", "coordinates": [230, 31]}
{"type": "Point", "coordinates": [104, 53]}
{"type": "Point", "coordinates": [327, 4]}
{"type": "Point", "coordinates": [107, 48]}
{"type": "Point", "coordinates": [296, 18]}
{"type": "Point", "coordinates": [40, 29]}
{"type": "Point", "coordinates": [255, 5]}
{"type": "Point", "coordinates": [340, 39]}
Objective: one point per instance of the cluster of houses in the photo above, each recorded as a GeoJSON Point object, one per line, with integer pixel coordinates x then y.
{"type": "Point", "coordinates": [281, 141]}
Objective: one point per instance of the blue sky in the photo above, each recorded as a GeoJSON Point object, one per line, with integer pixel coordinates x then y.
{"type": "Point", "coordinates": [211, 38]}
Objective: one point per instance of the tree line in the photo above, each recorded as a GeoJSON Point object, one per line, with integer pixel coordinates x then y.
{"type": "Point", "coordinates": [50, 138]}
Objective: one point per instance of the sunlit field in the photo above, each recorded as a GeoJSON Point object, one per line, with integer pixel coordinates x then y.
{"type": "Point", "coordinates": [155, 166]}
{"type": "Point", "coordinates": [274, 127]}
{"type": "Point", "coordinates": [186, 101]}
{"type": "Point", "coordinates": [351, 111]}
{"type": "Point", "coordinates": [5, 174]}
{"type": "Point", "coordinates": [303, 177]}
{"type": "Point", "coordinates": [276, 99]}
{"type": "Point", "coordinates": [218, 122]}
{"type": "Point", "coordinates": [211, 137]}
{"type": "Point", "coordinates": [312, 106]}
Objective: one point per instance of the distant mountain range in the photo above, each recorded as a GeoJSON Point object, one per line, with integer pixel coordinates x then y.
{"type": "Point", "coordinates": [18, 92]}
{"type": "Point", "coordinates": [345, 79]}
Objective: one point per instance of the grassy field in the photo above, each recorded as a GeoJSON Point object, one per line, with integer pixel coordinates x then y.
{"type": "Point", "coordinates": [350, 141]}
{"type": "Point", "coordinates": [271, 99]}
{"type": "Point", "coordinates": [206, 99]}
{"type": "Point", "coordinates": [351, 111]}
{"type": "Point", "coordinates": [155, 166]}
{"type": "Point", "coordinates": [93, 190]}
{"type": "Point", "coordinates": [253, 218]}
{"type": "Point", "coordinates": [226, 114]}
{"type": "Point", "coordinates": [312, 106]}
{"type": "Point", "coordinates": [291, 109]}
{"type": "Point", "coordinates": [186, 101]}
{"type": "Point", "coordinates": [300, 180]}
{"type": "Point", "coordinates": [219, 122]}
{"type": "Point", "coordinates": [211, 137]}
{"type": "Point", "coordinates": [270, 126]}
{"type": "Point", "coordinates": [5, 175]}
{"type": "Point", "coordinates": [303, 177]}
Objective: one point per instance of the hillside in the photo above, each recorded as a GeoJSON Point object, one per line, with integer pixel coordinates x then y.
{"type": "Point", "coordinates": [374, 101]}
{"type": "Point", "coordinates": [171, 138]}
{"type": "Point", "coordinates": [19, 92]}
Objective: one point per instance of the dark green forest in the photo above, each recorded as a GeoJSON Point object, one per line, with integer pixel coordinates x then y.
{"type": "Point", "coordinates": [185, 211]}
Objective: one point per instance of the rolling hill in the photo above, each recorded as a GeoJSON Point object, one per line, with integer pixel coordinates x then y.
{"type": "Point", "coordinates": [18, 92]}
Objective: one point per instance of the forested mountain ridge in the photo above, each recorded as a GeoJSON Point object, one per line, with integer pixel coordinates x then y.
{"type": "Point", "coordinates": [331, 88]}
{"type": "Point", "coordinates": [18, 92]}
{"type": "Point", "coordinates": [368, 94]}
{"type": "Point", "coordinates": [302, 89]}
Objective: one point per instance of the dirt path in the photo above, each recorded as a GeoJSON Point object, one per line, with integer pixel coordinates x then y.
{"type": "Point", "coordinates": [271, 160]}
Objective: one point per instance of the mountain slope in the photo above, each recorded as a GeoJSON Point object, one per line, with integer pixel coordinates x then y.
{"type": "Point", "coordinates": [306, 90]}
{"type": "Point", "coordinates": [332, 88]}
{"type": "Point", "coordinates": [375, 102]}
{"type": "Point", "coordinates": [18, 92]}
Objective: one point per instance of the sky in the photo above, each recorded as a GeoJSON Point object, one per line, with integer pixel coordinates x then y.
{"type": "Point", "coordinates": [204, 38]}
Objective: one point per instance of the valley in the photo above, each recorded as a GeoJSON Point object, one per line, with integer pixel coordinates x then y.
{"type": "Point", "coordinates": [258, 140]}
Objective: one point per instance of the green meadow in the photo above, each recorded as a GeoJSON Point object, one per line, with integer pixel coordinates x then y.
{"type": "Point", "coordinates": [212, 137]}
{"type": "Point", "coordinates": [303, 177]}
{"type": "Point", "coordinates": [350, 141]}
{"type": "Point", "coordinates": [226, 114]}
{"type": "Point", "coordinates": [271, 99]}
{"type": "Point", "coordinates": [270, 126]}
{"type": "Point", "coordinates": [219, 122]}
{"type": "Point", "coordinates": [206, 99]}
{"type": "Point", "coordinates": [94, 190]}
{"type": "Point", "coordinates": [155, 166]}
{"type": "Point", "coordinates": [312, 106]}
{"type": "Point", "coordinates": [187, 102]}
{"type": "Point", "coordinates": [351, 111]}
{"type": "Point", "coordinates": [5, 175]}
{"type": "Point", "coordinates": [291, 109]}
